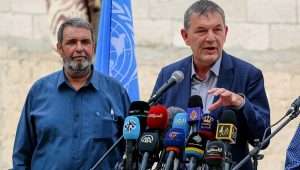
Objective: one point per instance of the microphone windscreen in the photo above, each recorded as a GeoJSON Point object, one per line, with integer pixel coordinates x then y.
{"type": "Point", "coordinates": [194, 109]}
{"type": "Point", "coordinates": [131, 128]}
{"type": "Point", "coordinates": [228, 116]}
{"type": "Point", "coordinates": [178, 76]}
{"type": "Point", "coordinates": [207, 127]}
{"type": "Point", "coordinates": [180, 122]}
{"type": "Point", "coordinates": [226, 128]}
{"type": "Point", "coordinates": [172, 111]}
{"type": "Point", "coordinates": [195, 101]}
{"type": "Point", "coordinates": [175, 138]}
{"type": "Point", "coordinates": [296, 103]}
{"type": "Point", "coordinates": [139, 108]}
{"type": "Point", "coordinates": [157, 117]}
{"type": "Point", "coordinates": [149, 142]}
{"type": "Point", "coordinates": [215, 153]}
{"type": "Point", "coordinates": [195, 146]}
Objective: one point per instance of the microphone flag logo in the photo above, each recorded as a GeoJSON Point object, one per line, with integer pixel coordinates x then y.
{"type": "Point", "coordinates": [193, 115]}
{"type": "Point", "coordinates": [130, 125]}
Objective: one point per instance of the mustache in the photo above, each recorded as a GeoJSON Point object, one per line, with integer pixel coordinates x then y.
{"type": "Point", "coordinates": [79, 56]}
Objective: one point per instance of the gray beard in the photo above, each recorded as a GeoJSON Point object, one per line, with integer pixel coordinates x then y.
{"type": "Point", "coordinates": [77, 69]}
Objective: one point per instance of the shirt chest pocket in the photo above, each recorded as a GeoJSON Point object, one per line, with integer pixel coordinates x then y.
{"type": "Point", "coordinates": [100, 125]}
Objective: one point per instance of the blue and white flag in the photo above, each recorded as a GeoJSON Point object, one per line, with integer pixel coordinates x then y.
{"type": "Point", "coordinates": [115, 51]}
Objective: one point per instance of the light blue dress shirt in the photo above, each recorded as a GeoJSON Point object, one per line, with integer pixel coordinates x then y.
{"type": "Point", "coordinates": [200, 88]}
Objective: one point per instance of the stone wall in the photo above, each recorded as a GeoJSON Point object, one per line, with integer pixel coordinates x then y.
{"type": "Point", "coordinates": [253, 24]}
{"type": "Point", "coordinates": [263, 32]}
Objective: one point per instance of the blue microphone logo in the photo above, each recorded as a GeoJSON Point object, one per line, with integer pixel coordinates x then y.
{"type": "Point", "coordinates": [180, 122]}
{"type": "Point", "coordinates": [194, 113]}
{"type": "Point", "coordinates": [175, 137]}
{"type": "Point", "coordinates": [131, 128]}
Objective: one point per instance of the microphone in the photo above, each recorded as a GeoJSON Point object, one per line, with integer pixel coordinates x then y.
{"type": "Point", "coordinates": [215, 154]}
{"type": "Point", "coordinates": [157, 122]}
{"type": "Point", "coordinates": [174, 142]}
{"type": "Point", "coordinates": [218, 153]}
{"type": "Point", "coordinates": [176, 77]}
{"type": "Point", "coordinates": [148, 144]}
{"type": "Point", "coordinates": [294, 106]}
{"type": "Point", "coordinates": [197, 141]}
{"type": "Point", "coordinates": [194, 112]}
{"type": "Point", "coordinates": [172, 111]}
{"type": "Point", "coordinates": [180, 122]}
{"type": "Point", "coordinates": [131, 128]}
{"type": "Point", "coordinates": [157, 118]}
{"type": "Point", "coordinates": [194, 150]}
{"type": "Point", "coordinates": [207, 127]}
{"type": "Point", "coordinates": [226, 129]}
{"type": "Point", "coordinates": [137, 108]}
{"type": "Point", "coordinates": [131, 132]}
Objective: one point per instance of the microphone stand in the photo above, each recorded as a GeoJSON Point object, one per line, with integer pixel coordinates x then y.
{"type": "Point", "coordinates": [257, 156]}
{"type": "Point", "coordinates": [255, 151]}
{"type": "Point", "coordinates": [107, 153]}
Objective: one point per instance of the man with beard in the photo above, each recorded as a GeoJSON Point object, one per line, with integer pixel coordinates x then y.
{"type": "Point", "coordinates": [71, 117]}
{"type": "Point", "coordinates": [222, 80]}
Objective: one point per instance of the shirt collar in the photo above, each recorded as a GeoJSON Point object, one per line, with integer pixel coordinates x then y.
{"type": "Point", "coordinates": [93, 80]}
{"type": "Point", "coordinates": [215, 68]}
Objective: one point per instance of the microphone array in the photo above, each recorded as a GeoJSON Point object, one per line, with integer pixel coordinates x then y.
{"type": "Point", "coordinates": [161, 138]}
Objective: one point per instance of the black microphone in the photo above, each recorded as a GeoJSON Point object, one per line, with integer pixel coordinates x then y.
{"type": "Point", "coordinates": [226, 128]}
{"type": "Point", "coordinates": [176, 77]}
{"type": "Point", "coordinates": [218, 153]}
{"type": "Point", "coordinates": [215, 154]}
{"type": "Point", "coordinates": [148, 145]}
{"type": "Point", "coordinates": [294, 106]}
{"type": "Point", "coordinates": [140, 109]}
{"type": "Point", "coordinates": [194, 112]}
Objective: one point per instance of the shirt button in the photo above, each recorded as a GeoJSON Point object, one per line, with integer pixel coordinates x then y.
{"type": "Point", "coordinates": [75, 135]}
{"type": "Point", "coordinates": [76, 116]}
{"type": "Point", "coordinates": [98, 113]}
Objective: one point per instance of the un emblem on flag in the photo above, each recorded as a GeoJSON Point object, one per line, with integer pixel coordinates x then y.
{"type": "Point", "coordinates": [122, 55]}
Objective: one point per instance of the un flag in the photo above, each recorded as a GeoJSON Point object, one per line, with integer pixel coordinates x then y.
{"type": "Point", "coordinates": [115, 51]}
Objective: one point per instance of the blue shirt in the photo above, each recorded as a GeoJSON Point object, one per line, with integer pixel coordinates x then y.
{"type": "Point", "coordinates": [63, 129]}
{"type": "Point", "coordinates": [292, 161]}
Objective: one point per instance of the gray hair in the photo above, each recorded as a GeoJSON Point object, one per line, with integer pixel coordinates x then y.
{"type": "Point", "coordinates": [74, 22]}
{"type": "Point", "coordinates": [202, 7]}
